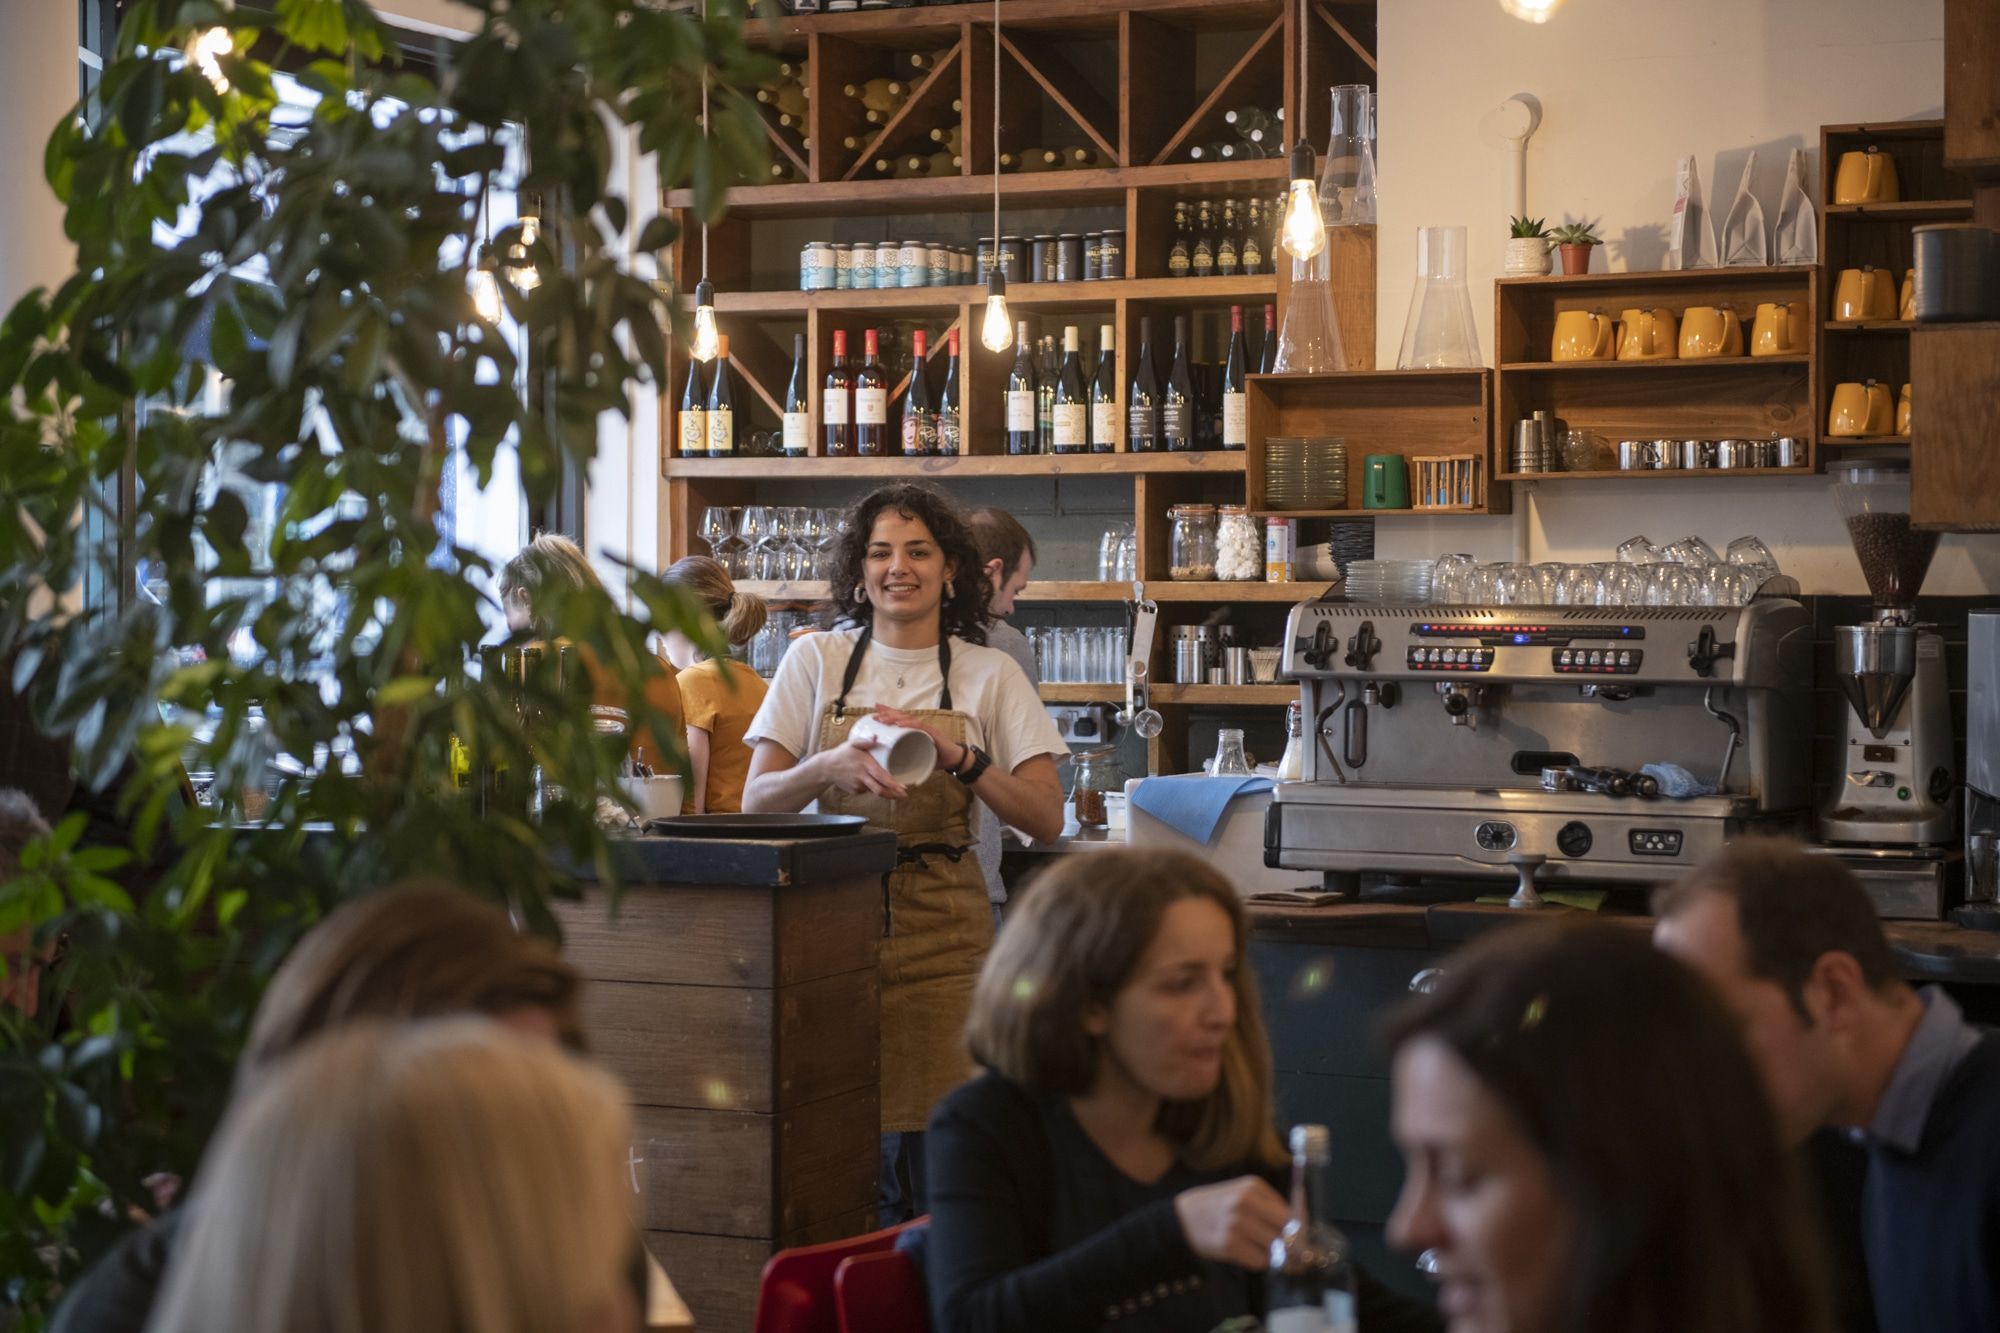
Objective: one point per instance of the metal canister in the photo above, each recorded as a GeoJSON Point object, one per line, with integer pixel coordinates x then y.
{"type": "Point", "coordinates": [843, 268]}
{"type": "Point", "coordinates": [1111, 254]}
{"type": "Point", "coordinates": [1093, 247]}
{"type": "Point", "coordinates": [961, 265]}
{"type": "Point", "coordinates": [861, 265]}
{"type": "Point", "coordinates": [1014, 258]}
{"type": "Point", "coordinates": [1042, 259]}
{"type": "Point", "coordinates": [1190, 655]}
{"type": "Point", "coordinates": [1069, 257]}
{"type": "Point", "coordinates": [938, 256]}
{"type": "Point", "coordinates": [913, 264]}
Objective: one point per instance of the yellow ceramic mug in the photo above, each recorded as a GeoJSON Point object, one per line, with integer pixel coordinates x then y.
{"type": "Point", "coordinates": [1903, 412]}
{"type": "Point", "coordinates": [1864, 293]}
{"type": "Point", "coordinates": [1779, 329]}
{"type": "Point", "coordinates": [1646, 335]}
{"type": "Point", "coordinates": [1710, 330]}
{"type": "Point", "coordinates": [1581, 335]}
{"type": "Point", "coordinates": [1861, 409]}
{"type": "Point", "coordinates": [1866, 178]}
{"type": "Point", "coordinates": [1906, 305]}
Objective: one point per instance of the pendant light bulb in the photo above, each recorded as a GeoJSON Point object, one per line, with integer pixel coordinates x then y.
{"type": "Point", "coordinates": [486, 294]}
{"type": "Point", "coordinates": [1303, 232]}
{"type": "Point", "coordinates": [206, 50]}
{"type": "Point", "coordinates": [1532, 11]}
{"type": "Point", "coordinates": [707, 343]}
{"type": "Point", "coordinates": [996, 331]}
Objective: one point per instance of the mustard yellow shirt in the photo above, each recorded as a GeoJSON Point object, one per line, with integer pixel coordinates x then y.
{"type": "Point", "coordinates": [722, 705]}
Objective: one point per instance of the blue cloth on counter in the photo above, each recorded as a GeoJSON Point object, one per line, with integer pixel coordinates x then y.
{"type": "Point", "coordinates": [1676, 782]}
{"type": "Point", "coordinates": [1194, 803]}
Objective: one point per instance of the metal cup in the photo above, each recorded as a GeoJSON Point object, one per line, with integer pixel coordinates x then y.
{"type": "Point", "coordinates": [1787, 451]}
{"type": "Point", "coordinates": [1632, 455]}
{"type": "Point", "coordinates": [1661, 453]}
{"type": "Point", "coordinates": [1695, 453]}
{"type": "Point", "coordinates": [1735, 454]}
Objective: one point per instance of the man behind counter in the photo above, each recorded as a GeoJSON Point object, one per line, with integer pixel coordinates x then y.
{"type": "Point", "coordinates": [1007, 555]}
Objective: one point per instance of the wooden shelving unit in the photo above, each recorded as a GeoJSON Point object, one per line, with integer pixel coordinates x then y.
{"type": "Point", "coordinates": [1135, 82]}
{"type": "Point", "coordinates": [1710, 398]}
{"type": "Point", "coordinates": [1877, 235]}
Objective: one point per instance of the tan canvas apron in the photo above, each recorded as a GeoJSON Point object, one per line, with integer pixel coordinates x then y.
{"type": "Point", "coordinates": [937, 926]}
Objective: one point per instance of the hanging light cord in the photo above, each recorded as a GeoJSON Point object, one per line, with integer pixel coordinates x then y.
{"type": "Point", "coordinates": [1305, 42]}
{"type": "Point", "coordinates": [996, 134]}
{"type": "Point", "coordinates": [706, 137]}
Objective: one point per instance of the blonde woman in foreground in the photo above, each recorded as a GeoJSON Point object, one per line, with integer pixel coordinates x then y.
{"type": "Point", "coordinates": [443, 1175]}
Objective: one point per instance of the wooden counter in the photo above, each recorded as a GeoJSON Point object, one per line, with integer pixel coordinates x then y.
{"type": "Point", "coordinates": [735, 993]}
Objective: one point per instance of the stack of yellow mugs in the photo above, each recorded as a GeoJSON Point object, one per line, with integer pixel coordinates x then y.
{"type": "Point", "coordinates": [1779, 328]}
{"type": "Point", "coordinates": [1865, 408]}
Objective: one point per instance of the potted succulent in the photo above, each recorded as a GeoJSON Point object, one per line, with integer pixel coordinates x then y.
{"type": "Point", "coordinates": [1574, 240]}
{"type": "Point", "coordinates": [1527, 248]}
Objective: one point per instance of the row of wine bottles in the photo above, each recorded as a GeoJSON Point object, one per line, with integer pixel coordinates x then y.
{"type": "Point", "coordinates": [1224, 237]}
{"type": "Point", "coordinates": [854, 402]}
{"type": "Point", "coordinates": [1249, 134]}
{"type": "Point", "coordinates": [1197, 405]}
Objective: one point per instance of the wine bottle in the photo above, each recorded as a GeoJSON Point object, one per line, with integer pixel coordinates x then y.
{"type": "Point", "coordinates": [1070, 419]}
{"type": "Point", "coordinates": [693, 420]}
{"type": "Point", "coordinates": [1267, 350]}
{"type": "Point", "coordinates": [1310, 1281]}
{"type": "Point", "coordinates": [1226, 258]}
{"type": "Point", "coordinates": [1142, 400]}
{"type": "Point", "coordinates": [951, 402]}
{"type": "Point", "coordinates": [722, 406]}
{"type": "Point", "coordinates": [836, 402]}
{"type": "Point", "coordinates": [798, 418]}
{"type": "Point", "coordinates": [1180, 257]}
{"type": "Point", "coordinates": [1207, 377]}
{"type": "Point", "coordinates": [883, 95]}
{"type": "Point", "coordinates": [1245, 119]}
{"type": "Point", "coordinates": [948, 135]}
{"type": "Point", "coordinates": [786, 97]}
{"type": "Point", "coordinates": [871, 400]}
{"type": "Point", "coordinates": [1177, 405]}
{"type": "Point", "coordinates": [1235, 402]}
{"type": "Point", "coordinates": [1201, 259]}
{"type": "Point", "coordinates": [920, 423]}
{"type": "Point", "coordinates": [1021, 394]}
{"type": "Point", "coordinates": [1048, 365]}
{"type": "Point", "coordinates": [1250, 245]}
{"type": "Point", "coordinates": [1104, 395]}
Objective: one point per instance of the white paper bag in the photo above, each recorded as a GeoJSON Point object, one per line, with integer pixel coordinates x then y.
{"type": "Point", "coordinates": [1690, 233]}
{"type": "Point", "coordinates": [1744, 240]}
{"type": "Point", "coordinates": [1797, 240]}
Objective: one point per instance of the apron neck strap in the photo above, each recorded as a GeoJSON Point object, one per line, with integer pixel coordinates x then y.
{"type": "Point", "coordinates": [853, 670]}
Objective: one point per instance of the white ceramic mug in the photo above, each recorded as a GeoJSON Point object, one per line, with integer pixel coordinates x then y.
{"type": "Point", "coordinates": [908, 755]}
{"type": "Point", "coordinates": [657, 797]}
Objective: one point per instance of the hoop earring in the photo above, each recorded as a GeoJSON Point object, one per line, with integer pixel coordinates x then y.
{"type": "Point", "coordinates": [860, 597]}
{"type": "Point", "coordinates": [947, 592]}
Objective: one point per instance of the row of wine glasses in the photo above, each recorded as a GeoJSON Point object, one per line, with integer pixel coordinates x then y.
{"type": "Point", "coordinates": [1688, 572]}
{"type": "Point", "coordinates": [774, 542]}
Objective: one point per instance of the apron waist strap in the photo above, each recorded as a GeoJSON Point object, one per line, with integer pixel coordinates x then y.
{"type": "Point", "coordinates": [915, 853]}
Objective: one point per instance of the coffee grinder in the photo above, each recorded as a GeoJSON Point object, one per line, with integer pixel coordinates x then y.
{"type": "Point", "coordinates": [1894, 773]}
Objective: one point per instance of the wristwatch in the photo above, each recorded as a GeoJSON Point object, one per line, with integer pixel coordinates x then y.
{"type": "Point", "coordinates": [975, 762]}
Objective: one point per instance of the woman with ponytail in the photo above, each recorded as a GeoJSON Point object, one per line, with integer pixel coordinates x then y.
{"type": "Point", "coordinates": [720, 696]}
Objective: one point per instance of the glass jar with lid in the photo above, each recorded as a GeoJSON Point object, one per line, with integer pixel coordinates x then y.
{"type": "Point", "coordinates": [1191, 542]}
{"type": "Point", "coordinates": [1239, 546]}
{"type": "Point", "coordinates": [1097, 772]}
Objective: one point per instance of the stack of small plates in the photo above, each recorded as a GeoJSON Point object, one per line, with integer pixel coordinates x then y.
{"type": "Point", "coordinates": [1389, 581]}
{"type": "Point", "coordinates": [1305, 472]}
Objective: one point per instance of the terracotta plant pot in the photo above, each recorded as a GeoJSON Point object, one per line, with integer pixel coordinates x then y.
{"type": "Point", "coordinates": [1576, 259]}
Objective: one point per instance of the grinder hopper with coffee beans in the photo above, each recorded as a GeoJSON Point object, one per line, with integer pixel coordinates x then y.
{"type": "Point", "coordinates": [1895, 771]}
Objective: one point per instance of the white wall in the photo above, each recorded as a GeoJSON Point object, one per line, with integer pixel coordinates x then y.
{"type": "Point", "coordinates": [1626, 89]}
{"type": "Point", "coordinates": [38, 84]}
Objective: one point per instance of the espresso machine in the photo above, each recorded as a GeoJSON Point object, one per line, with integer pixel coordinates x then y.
{"type": "Point", "coordinates": [1891, 813]}
{"type": "Point", "coordinates": [1506, 743]}
{"type": "Point", "coordinates": [1982, 771]}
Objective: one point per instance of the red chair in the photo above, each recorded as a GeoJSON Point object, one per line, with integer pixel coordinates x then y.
{"type": "Point", "coordinates": [880, 1293]}
{"type": "Point", "coordinates": [796, 1293]}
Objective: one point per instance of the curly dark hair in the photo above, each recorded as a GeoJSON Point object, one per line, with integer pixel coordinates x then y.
{"type": "Point", "coordinates": [964, 612]}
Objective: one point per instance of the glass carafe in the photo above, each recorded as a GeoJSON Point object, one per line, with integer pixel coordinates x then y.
{"type": "Point", "coordinates": [1347, 181]}
{"type": "Point", "coordinates": [1230, 761]}
{"type": "Point", "coordinates": [1439, 331]}
{"type": "Point", "coordinates": [1309, 339]}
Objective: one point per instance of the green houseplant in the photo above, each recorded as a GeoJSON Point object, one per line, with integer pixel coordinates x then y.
{"type": "Point", "coordinates": [1527, 247]}
{"type": "Point", "coordinates": [316, 266]}
{"type": "Point", "coordinates": [1574, 240]}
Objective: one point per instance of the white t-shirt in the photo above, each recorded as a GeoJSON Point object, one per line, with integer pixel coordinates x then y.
{"type": "Point", "coordinates": [1004, 714]}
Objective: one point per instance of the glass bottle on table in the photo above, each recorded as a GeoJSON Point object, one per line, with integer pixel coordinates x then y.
{"type": "Point", "coordinates": [722, 405]}
{"type": "Point", "coordinates": [798, 416]}
{"type": "Point", "coordinates": [1069, 422]}
{"type": "Point", "coordinates": [1142, 399]}
{"type": "Point", "coordinates": [836, 402]}
{"type": "Point", "coordinates": [1310, 1282]}
{"type": "Point", "coordinates": [871, 400]}
{"type": "Point", "coordinates": [1021, 394]}
{"type": "Point", "coordinates": [951, 402]}
{"type": "Point", "coordinates": [1104, 424]}
{"type": "Point", "coordinates": [1231, 762]}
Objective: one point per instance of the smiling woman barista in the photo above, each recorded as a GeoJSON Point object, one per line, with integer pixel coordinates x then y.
{"type": "Point", "coordinates": [909, 649]}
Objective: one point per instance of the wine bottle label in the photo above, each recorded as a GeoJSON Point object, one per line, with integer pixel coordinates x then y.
{"type": "Point", "coordinates": [1204, 259]}
{"type": "Point", "coordinates": [1176, 424]}
{"type": "Point", "coordinates": [920, 434]}
{"type": "Point", "coordinates": [950, 433]}
{"type": "Point", "coordinates": [1235, 420]}
{"type": "Point", "coordinates": [721, 431]}
{"type": "Point", "coordinates": [694, 432]}
{"type": "Point", "coordinates": [1103, 425]}
{"type": "Point", "coordinates": [1252, 258]}
{"type": "Point", "coordinates": [1020, 409]}
{"type": "Point", "coordinates": [1068, 422]}
{"type": "Point", "coordinates": [1177, 261]}
{"type": "Point", "coordinates": [833, 407]}
{"type": "Point", "coordinates": [795, 434]}
{"type": "Point", "coordinates": [1226, 257]}
{"type": "Point", "coordinates": [1142, 427]}
{"type": "Point", "coordinates": [871, 407]}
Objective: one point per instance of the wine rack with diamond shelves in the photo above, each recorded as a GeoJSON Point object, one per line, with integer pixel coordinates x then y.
{"type": "Point", "coordinates": [1112, 76]}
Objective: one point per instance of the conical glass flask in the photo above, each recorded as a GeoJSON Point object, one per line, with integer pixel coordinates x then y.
{"type": "Point", "coordinates": [1439, 331]}
{"type": "Point", "coordinates": [1347, 181]}
{"type": "Point", "coordinates": [1309, 340]}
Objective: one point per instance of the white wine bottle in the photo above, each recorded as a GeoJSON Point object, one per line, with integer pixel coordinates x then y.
{"type": "Point", "coordinates": [883, 95]}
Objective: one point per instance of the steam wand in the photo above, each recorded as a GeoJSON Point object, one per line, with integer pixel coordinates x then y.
{"type": "Point", "coordinates": [1735, 736]}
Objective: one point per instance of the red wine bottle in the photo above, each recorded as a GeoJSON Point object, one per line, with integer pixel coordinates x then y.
{"type": "Point", "coordinates": [920, 428]}
{"type": "Point", "coordinates": [871, 400]}
{"type": "Point", "coordinates": [1104, 395]}
{"type": "Point", "coordinates": [836, 402]}
{"type": "Point", "coordinates": [1235, 409]}
{"type": "Point", "coordinates": [1177, 405]}
{"type": "Point", "coordinates": [1142, 400]}
{"type": "Point", "coordinates": [1267, 351]}
{"type": "Point", "coordinates": [951, 402]}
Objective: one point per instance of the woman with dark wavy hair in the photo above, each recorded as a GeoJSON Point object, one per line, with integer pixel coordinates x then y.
{"type": "Point", "coordinates": [908, 649]}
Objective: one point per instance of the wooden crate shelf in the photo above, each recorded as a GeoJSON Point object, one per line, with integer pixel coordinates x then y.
{"type": "Point", "coordinates": [1704, 398]}
{"type": "Point", "coordinates": [1084, 590]}
{"type": "Point", "coordinates": [1206, 464]}
{"type": "Point", "coordinates": [1663, 474]}
{"type": "Point", "coordinates": [1905, 210]}
{"type": "Point", "coordinates": [935, 194]}
{"type": "Point", "coordinates": [1025, 295]}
